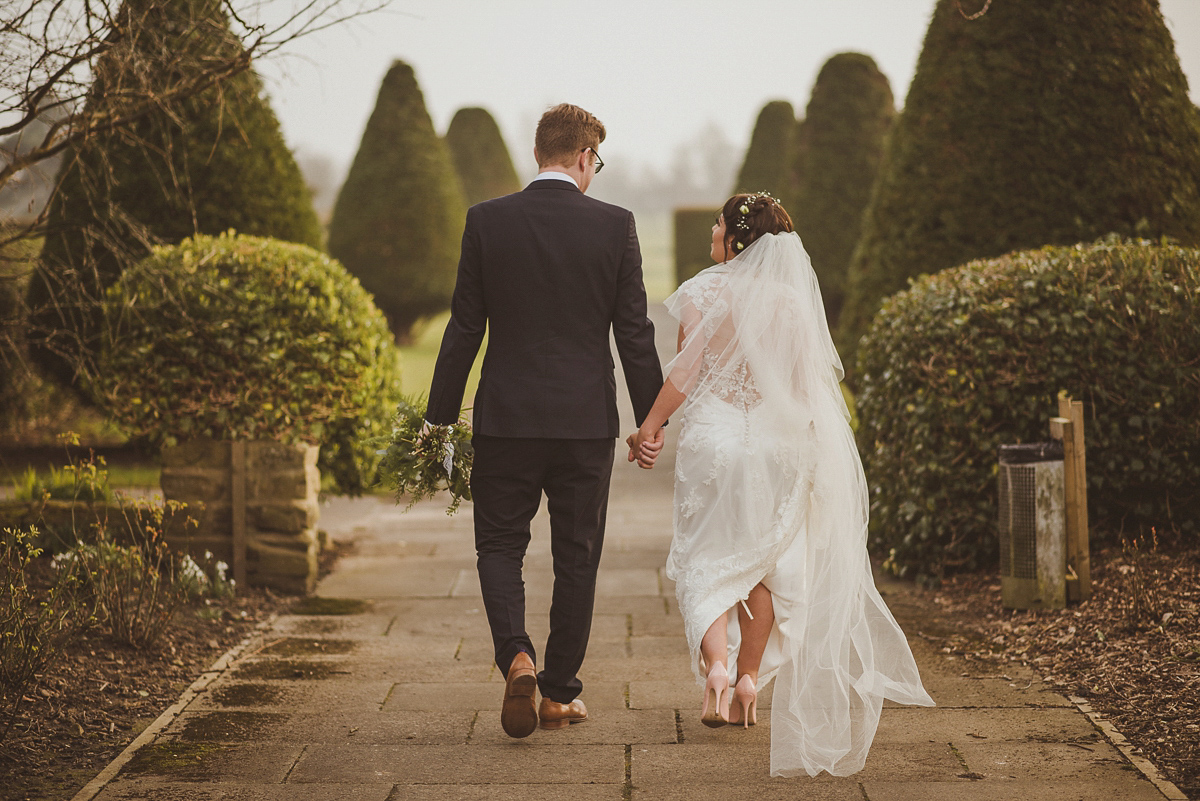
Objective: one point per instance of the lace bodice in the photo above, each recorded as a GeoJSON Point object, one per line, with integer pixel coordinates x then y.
{"type": "Point", "coordinates": [730, 381]}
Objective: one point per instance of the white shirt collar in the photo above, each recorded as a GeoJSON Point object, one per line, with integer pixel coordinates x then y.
{"type": "Point", "coordinates": [556, 176]}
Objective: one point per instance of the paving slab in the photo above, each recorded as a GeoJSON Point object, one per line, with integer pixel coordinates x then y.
{"type": "Point", "coordinates": [775, 790]}
{"type": "Point", "coordinates": [159, 790]}
{"type": "Point", "coordinates": [1009, 791]}
{"type": "Point", "coordinates": [390, 577]}
{"type": "Point", "coordinates": [516, 792]}
{"type": "Point", "coordinates": [513, 762]}
{"type": "Point", "coordinates": [945, 724]}
{"type": "Point", "coordinates": [170, 760]}
{"type": "Point", "coordinates": [1098, 761]}
{"type": "Point", "coordinates": [611, 726]}
{"type": "Point", "coordinates": [359, 626]}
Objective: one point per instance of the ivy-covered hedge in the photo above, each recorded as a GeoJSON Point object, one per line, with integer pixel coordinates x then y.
{"type": "Point", "coordinates": [693, 241]}
{"type": "Point", "coordinates": [974, 357]}
{"type": "Point", "coordinates": [239, 337]}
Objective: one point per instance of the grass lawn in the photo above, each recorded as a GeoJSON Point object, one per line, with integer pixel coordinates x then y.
{"type": "Point", "coordinates": [417, 360]}
{"type": "Point", "coordinates": [139, 477]}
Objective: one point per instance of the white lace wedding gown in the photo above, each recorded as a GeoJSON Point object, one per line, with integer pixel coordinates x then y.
{"type": "Point", "coordinates": [769, 488]}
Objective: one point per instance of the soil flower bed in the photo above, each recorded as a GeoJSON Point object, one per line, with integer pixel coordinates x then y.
{"type": "Point", "coordinates": [96, 698]}
{"type": "Point", "coordinates": [1132, 650]}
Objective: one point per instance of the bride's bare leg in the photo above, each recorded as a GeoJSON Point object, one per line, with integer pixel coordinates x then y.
{"type": "Point", "coordinates": [754, 632]}
{"type": "Point", "coordinates": [744, 702]}
{"type": "Point", "coordinates": [715, 651]}
{"type": "Point", "coordinates": [714, 647]}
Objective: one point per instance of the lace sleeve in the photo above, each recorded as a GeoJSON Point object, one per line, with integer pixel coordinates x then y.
{"type": "Point", "coordinates": [692, 305]}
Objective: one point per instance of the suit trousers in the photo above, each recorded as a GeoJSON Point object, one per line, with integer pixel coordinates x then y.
{"type": "Point", "coordinates": [508, 478]}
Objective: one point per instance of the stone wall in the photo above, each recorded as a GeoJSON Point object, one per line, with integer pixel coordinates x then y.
{"type": "Point", "coordinates": [280, 496]}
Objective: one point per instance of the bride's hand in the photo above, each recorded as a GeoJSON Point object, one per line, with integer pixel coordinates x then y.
{"type": "Point", "coordinates": [648, 447]}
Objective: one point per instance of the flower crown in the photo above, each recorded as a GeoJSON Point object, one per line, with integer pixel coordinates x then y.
{"type": "Point", "coordinates": [743, 211]}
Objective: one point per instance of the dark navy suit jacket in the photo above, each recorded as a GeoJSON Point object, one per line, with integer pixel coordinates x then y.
{"type": "Point", "coordinates": [547, 272]}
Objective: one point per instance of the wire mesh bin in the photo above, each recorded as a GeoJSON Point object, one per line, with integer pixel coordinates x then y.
{"type": "Point", "coordinates": [1033, 526]}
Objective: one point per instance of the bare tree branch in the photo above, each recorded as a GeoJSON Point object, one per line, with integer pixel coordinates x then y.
{"type": "Point", "coordinates": [50, 51]}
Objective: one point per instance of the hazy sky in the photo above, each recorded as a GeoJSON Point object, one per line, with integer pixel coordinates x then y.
{"type": "Point", "coordinates": [655, 71]}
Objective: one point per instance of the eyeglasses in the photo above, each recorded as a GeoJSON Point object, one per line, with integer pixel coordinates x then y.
{"type": "Point", "coordinates": [599, 161]}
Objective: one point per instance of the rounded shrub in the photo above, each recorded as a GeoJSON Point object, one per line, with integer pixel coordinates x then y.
{"type": "Point", "coordinates": [845, 125]}
{"type": "Point", "coordinates": [1035, 124]}
{"type": "Point", "coordinates": [239, 337]}
{"type": "Point", "coordinates": [201, 165]}
{"type": "Point", "coordinates": [768, 163]}
{"type": "Point", "coordinates": [974, 357]}
{"type": "Point", "coordinates": [693, 241]}
{"type": "Point", "coordinates": [480, 156]}
{"type": "Point", "coordinates": [398, 221]}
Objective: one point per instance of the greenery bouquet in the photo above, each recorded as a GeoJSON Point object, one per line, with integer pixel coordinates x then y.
{"type": "Point", "coordinates": [421, 463]}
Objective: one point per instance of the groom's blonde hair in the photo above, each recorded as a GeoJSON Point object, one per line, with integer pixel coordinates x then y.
{"type": "Point", "coordinates": [563, 132]}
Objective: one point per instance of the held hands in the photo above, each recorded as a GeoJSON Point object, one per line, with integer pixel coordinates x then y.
{"type": "Point", "coordinates": [645, 446]}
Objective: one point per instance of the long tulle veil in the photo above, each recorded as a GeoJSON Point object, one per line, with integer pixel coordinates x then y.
{"type": "Point", "coordinates": [756, 338]}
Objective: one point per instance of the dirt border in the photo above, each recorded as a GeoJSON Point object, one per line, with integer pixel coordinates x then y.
{"type": "Point", "coordinates": [218, 668]}
{"type": "Point", "coordinates": [1145, 766]}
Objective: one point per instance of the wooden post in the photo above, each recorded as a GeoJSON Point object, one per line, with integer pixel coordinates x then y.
{"type": "Point", "coordinates": [1079, 567]}
{"type": "Point", "coordinates": [1084, 564]}
{"type": "Point", "coordinates": [1061, 428]}
{"type": "Point", "coordinates": [237, 473]}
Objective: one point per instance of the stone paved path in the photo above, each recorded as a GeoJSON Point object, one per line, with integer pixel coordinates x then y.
{"type": "Point", "coordinates": [401, 700]}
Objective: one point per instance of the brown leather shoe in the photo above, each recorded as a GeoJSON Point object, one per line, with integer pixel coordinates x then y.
{"type": "Point", "coordinates": [518, 716]}
{"type": "Point", "coordinates": [554, 715]}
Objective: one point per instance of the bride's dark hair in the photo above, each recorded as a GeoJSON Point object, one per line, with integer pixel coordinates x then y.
{"type": "Point", "coordinates": [750, 215]}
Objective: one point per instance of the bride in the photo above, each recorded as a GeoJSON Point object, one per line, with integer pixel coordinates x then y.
{"type": "Point", "coordinates": [769, 551]}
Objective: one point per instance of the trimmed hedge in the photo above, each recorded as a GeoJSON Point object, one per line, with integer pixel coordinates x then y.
{"type": "Point", "coordinates": [768, 163]}
{"type": "Point", "coordinates": [203, 165]}
{"type": "Point", "coordinates": [974, 357]}
{"type": "Point", "coordinates": [398, 221]}
{"type": "Point", "coordinates": [693, 241]}
{"type": "Point", "coordinates": [238, 337]}
{"type": "Point", "coordinates": [845, 125]}
{"type": "Point", "coordinates": [1036, 124]}
{"type": "Point", "coordinates": [480, 156]}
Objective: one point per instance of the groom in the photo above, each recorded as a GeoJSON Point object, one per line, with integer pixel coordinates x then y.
{"type": "Point", "coordinates": [547, 272]}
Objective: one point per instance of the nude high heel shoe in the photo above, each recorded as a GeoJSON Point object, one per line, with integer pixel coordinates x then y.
{"type": "Point", "coordinates": [745, 700]}
{"type": "Point", "coordinates": [715, 689]}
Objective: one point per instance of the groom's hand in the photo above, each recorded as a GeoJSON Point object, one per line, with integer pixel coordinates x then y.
{"type": "Point", "coordinates": [631, 441]}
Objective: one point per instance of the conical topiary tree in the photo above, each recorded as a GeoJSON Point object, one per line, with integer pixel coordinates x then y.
{"type": "Point", "coordinates": [845, 125]}
{"type": "Point", "coordinates": [768, 163]}
{"type": "Point", "coordinates": [1037, 123]}
{"type": "Point", "coordinates": [399, 217]}
{"type": "Point", "coordinates": [207, 164]}
{"type": "Point", "coordinates": [798, 166]}
{"type": "Point", "coordinates": [480, 157]}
